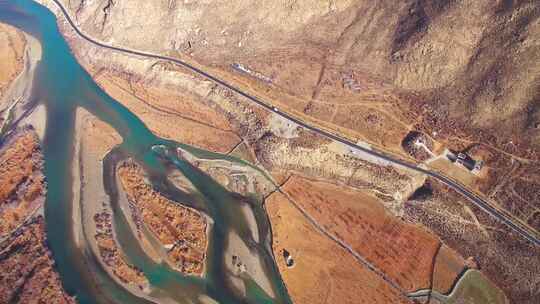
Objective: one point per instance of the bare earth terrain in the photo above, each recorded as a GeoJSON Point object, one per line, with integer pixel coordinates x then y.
{"type": "Point", "coordinates": [402, 251]}
{"type": "Point", "coordinates": [372, 72]}
{"type": "Point", "coordinates": [11, 55]}
{"type": "Point", "coordinates": [324, 273]}
{"type": "Point", "coordinates": [452, 86]}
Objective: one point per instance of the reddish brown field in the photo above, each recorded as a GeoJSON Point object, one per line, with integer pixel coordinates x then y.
{"type": "Point", "coordinates": [403, 251]}
{"type": "Point", "coordinates": [21, 182]}
{"type": "Point", "coordinates": [28, 274]}
{"type": "Point", "coordinates": [323, 272]}
{"type": "Point", "coordinates": [448, 266]}
{"type": "Point", "coordinates": [16, 163]}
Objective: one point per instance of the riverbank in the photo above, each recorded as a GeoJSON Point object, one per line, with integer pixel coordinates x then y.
{"type": "Point", "coordinates": [28, 270]}
{"type": "Point", "coordinates": [92, 213]}
{"type": "Point", "coordinates": [181, 231]}
{"type": "Point", "coordinates": [20, 87]}
{"type": "Point", "coordinates": [15, 91]}
{"type": "Point", "coordinates": [37, 119]}
{"type": "Point", "coordinates": [12, 47]}
{"type": "Point", "coordinates": [350, 171]}
{"type": "Point", "coordinates": [82, 273]}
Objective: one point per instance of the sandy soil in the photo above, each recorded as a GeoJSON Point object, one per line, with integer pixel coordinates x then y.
{"type": "Point", "coordinates": [323, 272]}
{"type": "Point", "coordinates": [244, 264]}
{"type": "Point", "coordinates": [12, 45]}
{"type": "Point", "coordinates": [14, 99]}
{"type": "Point", "coordinates": [38, 120]}
{"type": "Point", "coordinates": [20, 87]}
{"type": "Point", "coordinates": [93, 140]}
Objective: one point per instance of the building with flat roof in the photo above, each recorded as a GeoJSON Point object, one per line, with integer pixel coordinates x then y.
{"type": "Point", "coordinates": [465, 160]}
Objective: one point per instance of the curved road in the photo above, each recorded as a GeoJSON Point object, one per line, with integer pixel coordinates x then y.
{"type": "Point", "coordinates": [474, 198]}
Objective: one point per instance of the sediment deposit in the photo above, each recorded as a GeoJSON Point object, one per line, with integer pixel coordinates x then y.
{"type": "Point", "coordinates": [170, 113]}
{"type": "Point", "coordinates": [12, 46]}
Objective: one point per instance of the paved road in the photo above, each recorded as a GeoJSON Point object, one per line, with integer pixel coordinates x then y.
{"type": "Point", "coordinates": [474, 198]}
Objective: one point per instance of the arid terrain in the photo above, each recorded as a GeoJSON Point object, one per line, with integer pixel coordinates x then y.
{"type": "Point", "coordinates": [325, 272]}
{"type": "Point", "coordinates": [348, 90]}
{"type": "Point", "coordinates": [403, 252]}
{"type": "Point", "coordinates": [336, 73]}
{"type": "Point", "coordinates": [370, 72]}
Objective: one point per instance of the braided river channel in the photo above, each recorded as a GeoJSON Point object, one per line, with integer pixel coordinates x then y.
{"type": "Point", "coordinates": [62, 85]}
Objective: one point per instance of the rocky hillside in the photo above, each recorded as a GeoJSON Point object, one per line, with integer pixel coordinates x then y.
{"type": "Point", "coordinates": [462, 75]}
{"type": "Point", "coordinates": [471, 66]}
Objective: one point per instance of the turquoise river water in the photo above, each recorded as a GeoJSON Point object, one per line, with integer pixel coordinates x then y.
{"type": "Point", "coordinates": [63, 85]}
